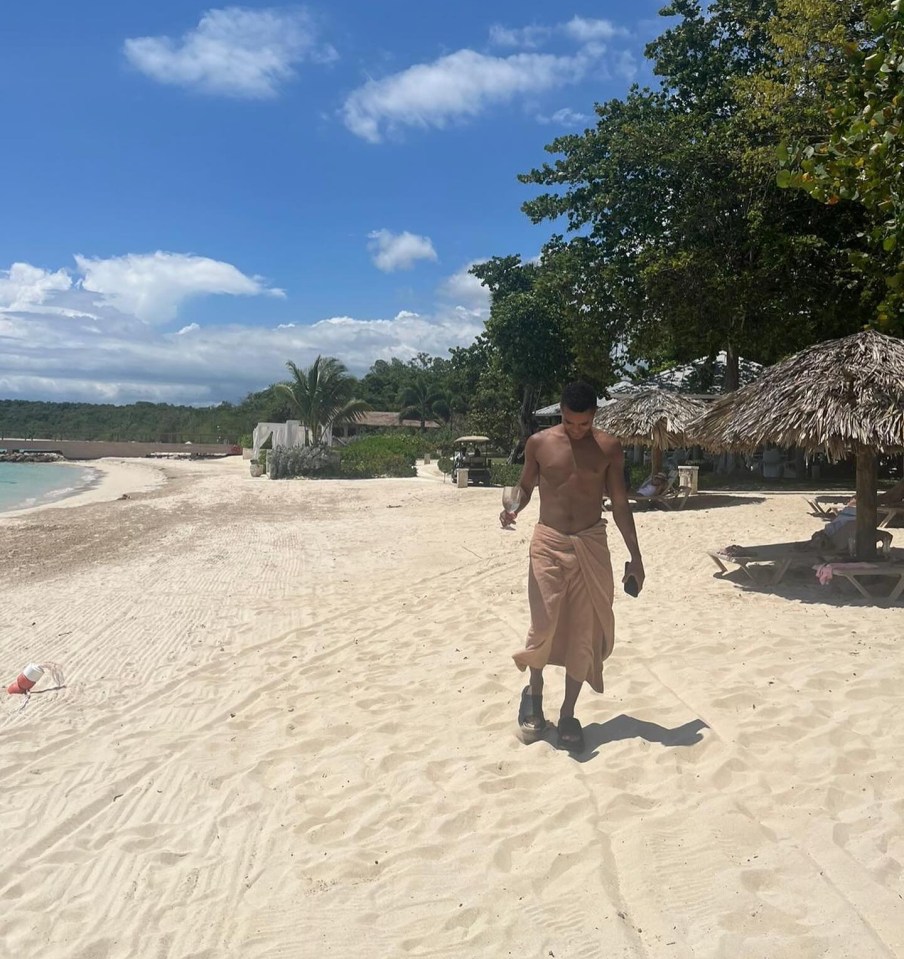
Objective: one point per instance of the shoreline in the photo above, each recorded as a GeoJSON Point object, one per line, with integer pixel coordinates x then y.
{"type": "Point", "coordinates": [113, 479]}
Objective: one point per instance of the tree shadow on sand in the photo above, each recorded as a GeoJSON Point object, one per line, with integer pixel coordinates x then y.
{"type": "Point", "coordinates": [627, 727]}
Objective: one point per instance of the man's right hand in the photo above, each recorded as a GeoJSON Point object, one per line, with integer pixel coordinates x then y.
{"type": "Point", "coordinates": [507, 519]}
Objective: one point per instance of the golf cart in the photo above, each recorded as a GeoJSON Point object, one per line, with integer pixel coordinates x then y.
{"type": "Point", "coordinates": [472, 453]}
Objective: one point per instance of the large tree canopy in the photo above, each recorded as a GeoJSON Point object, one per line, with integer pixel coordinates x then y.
{"type": "Point", "coordinates": [858, 160]}
{"type": "Point", "coordinates": [525, 331]}
{"type": "Point", "coordinates": [687, 245]}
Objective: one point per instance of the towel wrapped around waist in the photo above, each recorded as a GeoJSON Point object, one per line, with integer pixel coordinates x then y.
{"type": "Point", "coordinates": [570, 589]}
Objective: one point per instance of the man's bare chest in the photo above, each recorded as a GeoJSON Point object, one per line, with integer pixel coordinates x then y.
{"type": "Point", "coordinates": [581, 463]}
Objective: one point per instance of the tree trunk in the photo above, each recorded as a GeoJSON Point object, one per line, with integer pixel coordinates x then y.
{"type": "Point", "coordinates": [527, 425]}
{"type": "Point", "coordinates": [727, 461]}
{"type": "Point", "coordinates": [732, 369]}
{"type": "Point", "coordinates": [655, 460]}
{"type": "Point", "coordinates": [867, 482]}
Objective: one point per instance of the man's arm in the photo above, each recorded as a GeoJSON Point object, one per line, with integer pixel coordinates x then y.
{"type": "Point", "coordinates": [527, 481]}
{"type": "Point", "coordinates": [621, 512]}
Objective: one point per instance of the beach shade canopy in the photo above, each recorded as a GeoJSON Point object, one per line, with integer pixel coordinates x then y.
{"type": "Point", "coordinates": [657, 418]}
{"type": "Point", "coordinates": [840, 397]}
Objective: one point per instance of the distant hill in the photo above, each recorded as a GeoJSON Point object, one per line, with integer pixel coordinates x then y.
{"type": "Point", "coordinates": [142, 422]}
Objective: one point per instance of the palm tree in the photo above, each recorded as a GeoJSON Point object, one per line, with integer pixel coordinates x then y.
{"type": "Point", "coordinates": [322, 396]}
{"type": "Point", "coordinates": [421, 400]}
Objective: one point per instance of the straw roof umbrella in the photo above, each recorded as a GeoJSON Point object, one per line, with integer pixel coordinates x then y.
{"type": "Point", "coordinates": [655, 418]}
{"type": "Point", "coordinates": [838, 397]}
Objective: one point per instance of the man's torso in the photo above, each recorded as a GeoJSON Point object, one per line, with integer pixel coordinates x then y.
{"type": "Point", "coordinates": [572, 478]}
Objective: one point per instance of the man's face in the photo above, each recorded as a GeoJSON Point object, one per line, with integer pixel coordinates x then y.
{"type": "Point", "coordinates": [577, 425]}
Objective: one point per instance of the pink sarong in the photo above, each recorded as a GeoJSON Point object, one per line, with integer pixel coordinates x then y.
{"type": "Point", "coordinates": [570, 594]}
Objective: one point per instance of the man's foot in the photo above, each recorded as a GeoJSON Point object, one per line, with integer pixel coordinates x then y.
{"type": "Point", "coordinates": [571, 735]}
{"type": "Point", "coordinates": [531, 720]}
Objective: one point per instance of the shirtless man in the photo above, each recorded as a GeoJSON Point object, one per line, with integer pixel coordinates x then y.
{"type": "Point", "coordinates": [570, 584]}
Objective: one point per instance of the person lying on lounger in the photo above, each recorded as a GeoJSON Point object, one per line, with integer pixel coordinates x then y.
{"type": "Point", "coordinates": [889, 497]}
{"type": "Point", "coordinates": [654, 485]}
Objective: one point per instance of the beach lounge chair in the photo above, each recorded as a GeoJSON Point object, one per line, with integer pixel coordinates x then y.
{"type": "Point", "coordinates": [889, 505]}
{"type": "Point", "coordinates": [862, 577]}
{"type": "Point", "coordinates": [666, 494]}
{"type": "Point", "coordinates": [888, 515]}
{"type": "Point", "coordinates": [781, 557]}
{"type": "Point", "coordinates": [826, 506]}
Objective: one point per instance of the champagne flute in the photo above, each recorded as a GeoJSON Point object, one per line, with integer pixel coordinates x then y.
{"type": "Point", "coordinates": [511, 498]}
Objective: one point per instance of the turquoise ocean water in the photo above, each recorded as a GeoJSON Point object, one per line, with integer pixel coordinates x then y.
{"type": "Point", "coordinates": [36, 484]}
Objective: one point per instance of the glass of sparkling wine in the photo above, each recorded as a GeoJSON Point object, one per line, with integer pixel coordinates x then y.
{"type": "Point", "coordinates": [511, 498]}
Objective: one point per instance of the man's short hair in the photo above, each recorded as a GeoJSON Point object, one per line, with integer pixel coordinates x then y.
{"type": "Point", "coordinates": [579, 397]}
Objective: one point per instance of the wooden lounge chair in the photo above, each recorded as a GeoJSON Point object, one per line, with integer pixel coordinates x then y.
{"type": "Point", "coordinates": [862, 575]}
{"type": "Point", "coordinates": [826, 506]}
{"type": "Point", "coordinates": [888, 514]}
{"type": "Point", "coordinates": [671, 496]}
{"type": "Point", "coordinates": [889, 505]}
{"type": "Point", "coordinates": [780, 556]}
{"type": "Point", "coordinates": [784, 556]}
{"type": "Point", "coordinates": [885, 514]}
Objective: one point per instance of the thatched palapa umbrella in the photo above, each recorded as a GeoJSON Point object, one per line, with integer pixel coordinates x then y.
{"type": "Point", "coordinates": [839, 397]}
{"type": "Point", "coordinates": [656, 418]}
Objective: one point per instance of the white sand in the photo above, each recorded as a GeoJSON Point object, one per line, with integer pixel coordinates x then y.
{"type": "Point", "coordinates": [288, 730]}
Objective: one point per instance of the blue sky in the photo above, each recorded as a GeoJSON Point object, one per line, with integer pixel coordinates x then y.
{"type": "Point", "coordinates": [195, 194]}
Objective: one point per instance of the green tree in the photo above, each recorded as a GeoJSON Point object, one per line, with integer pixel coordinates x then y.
{"type": "Point", "coordinates": [857, 161]}
{"type": "Point", "coordinates": [422, 399]}
{"type": "Point", "coordinates": [681, 244]}
{"type": "Point", "coordinates": [383, 383]}
{"type": "Point", "coordinates": [525, 332]}
{"type": "Point", "coordinates": [322, 395]}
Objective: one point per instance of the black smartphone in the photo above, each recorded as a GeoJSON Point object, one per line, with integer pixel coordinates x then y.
{"type": "Point", "coordinates": [631, 587]}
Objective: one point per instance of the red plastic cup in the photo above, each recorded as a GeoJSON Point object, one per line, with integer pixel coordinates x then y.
{"type": "Point", "coordinates": [26, 679]}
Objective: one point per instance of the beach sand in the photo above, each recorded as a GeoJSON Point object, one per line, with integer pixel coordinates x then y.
{"type": "Point", "coordinates": [288, 730]}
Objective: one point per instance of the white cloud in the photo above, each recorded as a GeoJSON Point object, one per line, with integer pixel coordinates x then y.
{"type": "Point", "coordinates": [152, 286]}
{"type": "Point", "coordinates": [464, 290]}
{"type": "Point", "coordinates": [579, 29]}
{"type": "Point", "coordinates": [466, 83]}
{"type": "Point", "coordinates": [399, 251]}
{"type": "Point", "coordinates": [452, 88]}
{"type": "Point", "coordinates": [565, 117]}
{"type": "Point", "coordinates": [519, 37]}
{"type": "Point", "coordinates": [590, 31]}
{"type": "Point", "coordinates": [24, 286]}
{"type": "Point", "coordinates": [626, 65]}
{"type": "Point", "coordinates": [97, 353]}
{"type": "Point", "coordinates": [234, 51]}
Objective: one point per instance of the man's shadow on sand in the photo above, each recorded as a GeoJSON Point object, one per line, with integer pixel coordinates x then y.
{"type": "Point", "coordinates": [627, 727]}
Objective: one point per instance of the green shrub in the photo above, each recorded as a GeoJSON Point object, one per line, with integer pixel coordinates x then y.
{"type": "Point", "coordinates": [262, 459]}
{"type": "Point", "coordinates": [412, 445]}
{"type": "Point", "coordinates": [639, 472]}
{"type": "Point", "coordinates": [372, 465]}
{"type": "Point", "coordinates": [291, 462]}
{"type": "Point", "coordinates": [385, 455]}
{"type": "Point", "coordinates": [444, 464]}
{"type": "Point", "coordinates": [504, 474]}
